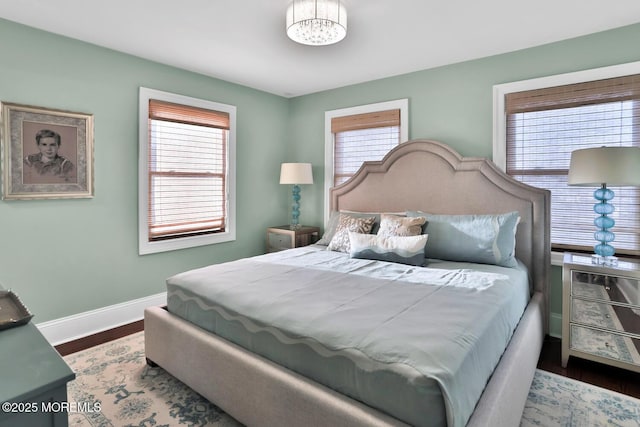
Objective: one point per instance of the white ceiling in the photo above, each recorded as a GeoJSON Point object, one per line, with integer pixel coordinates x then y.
{"type": "Point", "coordinates": [244, 41]}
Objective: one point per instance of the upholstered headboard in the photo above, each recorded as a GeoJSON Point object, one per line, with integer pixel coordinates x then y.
{"type": "Point", "coordinates": [429, 176]}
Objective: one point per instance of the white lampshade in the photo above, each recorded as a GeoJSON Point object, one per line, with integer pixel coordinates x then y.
{"type": "Point", "coordinates": [316, 22]}
{"type": "Point", "coordinates": [296, 173]}
{"type": "Point", "coordinates": [605, 165]}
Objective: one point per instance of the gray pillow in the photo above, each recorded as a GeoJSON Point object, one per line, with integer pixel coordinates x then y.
{"type": "Point", "coordinates": [330, 230]}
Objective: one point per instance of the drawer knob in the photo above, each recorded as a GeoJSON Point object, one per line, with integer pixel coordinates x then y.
{"type": "Point", "coordinates": [607, 288]}
{"type": "Point", "coordinates": [608, 316]}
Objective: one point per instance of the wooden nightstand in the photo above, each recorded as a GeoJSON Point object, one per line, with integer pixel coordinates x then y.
{"type": "Point", "coordinates": [283, 237]}
{"type": "Point", "coordinates": [601, 311]}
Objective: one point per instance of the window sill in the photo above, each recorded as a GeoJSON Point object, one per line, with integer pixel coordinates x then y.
{"type": "Point", "coordinates": [146, 247]}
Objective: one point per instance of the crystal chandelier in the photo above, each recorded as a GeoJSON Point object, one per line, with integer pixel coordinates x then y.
{"type": "Point", "coordinates": [316, 22]}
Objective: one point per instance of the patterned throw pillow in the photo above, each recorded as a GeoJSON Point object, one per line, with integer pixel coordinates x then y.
{"type": "Point", "coordinates": [347, 223]}
{"type": "Point", "coordinates": [393, 225]}
{"type": "Point", "coordinates": [400, 249]}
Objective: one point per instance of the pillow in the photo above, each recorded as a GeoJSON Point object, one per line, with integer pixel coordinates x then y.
{"type": "Point", "coordinates": [485, 239]}
{"type": "Point", "coordinates": [330, 229]}
{"type": "Point", "coordinates": [334, 218]}
{"type": "Point", "coordinates": [393, 225]}
{"type": "Point", "coordinates": [377, 215]}
{"type": "Point", "coordinates": [346, 223]}
{"type": "Point", "coordinates": [399, 249]}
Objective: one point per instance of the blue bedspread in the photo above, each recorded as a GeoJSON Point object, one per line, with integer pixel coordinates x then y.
{"type": "Point", "coordinates": [417, 343]}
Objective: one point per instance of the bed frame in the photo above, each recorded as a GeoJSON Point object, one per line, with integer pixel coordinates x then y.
{"type": "Point", "coordinates": [417, 175]}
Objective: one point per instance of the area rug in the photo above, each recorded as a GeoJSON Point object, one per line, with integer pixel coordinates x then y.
{"type": "Point", "coordinates": [559, 401]}
{"type": "Point", "coordinates": [115, 387]}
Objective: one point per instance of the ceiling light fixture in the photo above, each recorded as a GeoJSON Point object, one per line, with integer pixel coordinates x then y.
{"type": "Point", "coordinates": [316, 22]}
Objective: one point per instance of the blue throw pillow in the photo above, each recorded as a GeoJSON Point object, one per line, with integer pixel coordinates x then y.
{"type": "Point", "coordinates": [485, 239]}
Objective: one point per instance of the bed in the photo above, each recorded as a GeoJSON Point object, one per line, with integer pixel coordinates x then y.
{"type": "Point", "coordinates": [416, 177]}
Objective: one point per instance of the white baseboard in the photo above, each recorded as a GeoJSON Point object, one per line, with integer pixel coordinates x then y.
{"type": "Point", "coordinates": [80, 325]}
{"type": "Point", "coordinates": [555, 325]}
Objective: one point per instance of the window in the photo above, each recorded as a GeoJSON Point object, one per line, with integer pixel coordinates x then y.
{"type": "Point", "coordinates": [358, 134]}
{"type": "Point", "coordinates": [361, 137]}
{"type": "Point", "coordinates": [544, 122]}
{"type": "Point", "coordinates": [186, 172]}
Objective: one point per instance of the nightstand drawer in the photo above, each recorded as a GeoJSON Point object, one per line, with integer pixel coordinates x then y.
{"type": "Point", "coordinates": [605, 287]}
{"type": "Point", "coordinates": [279, 242]}
{"type": "Point", "coordinates": [605, 344]}
{"type": "Point", "coordinates": [606, 316]}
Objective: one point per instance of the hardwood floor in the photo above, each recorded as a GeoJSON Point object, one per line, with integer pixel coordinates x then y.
{"type": "Point", "coordinates": [99, 338]}
{"type": "Point", "coordinates": [620, 380]}
{"type": "Point", "coordinates": [616, 379]}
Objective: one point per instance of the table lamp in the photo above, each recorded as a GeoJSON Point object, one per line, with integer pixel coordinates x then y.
{"type": "Point", "coordinates": [605, 166]}
{"type": "Point", "coordinates": [296, 174]}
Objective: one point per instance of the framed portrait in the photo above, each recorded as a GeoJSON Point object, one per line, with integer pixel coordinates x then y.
{"type": "Point", "coordinates": [46, 154]}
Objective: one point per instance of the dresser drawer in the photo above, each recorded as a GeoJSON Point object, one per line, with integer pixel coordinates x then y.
{"type": "Point", "coordinates": [603, 315]}
{"type": "Point", "coordinates": [605, 344]}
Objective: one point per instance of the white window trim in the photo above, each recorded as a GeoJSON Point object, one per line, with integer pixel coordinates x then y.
{"type": "Point", "coordinates": [500, 117]}
{"type": "Point", "coordinates": [144, 245]}
{"type": "Point", "coordinates": [401, 104]}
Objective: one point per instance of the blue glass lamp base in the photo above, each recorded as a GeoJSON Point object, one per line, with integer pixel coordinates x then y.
{"type": "Point", "coordinates": [295, 208]}
{"type": "Point", "coordinates": [603, 250]}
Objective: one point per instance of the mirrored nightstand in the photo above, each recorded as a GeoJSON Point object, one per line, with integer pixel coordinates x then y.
{"type": "Point", "coordinates": [283, 237]}
{"type": "Point", "coordinates": [601, 311]}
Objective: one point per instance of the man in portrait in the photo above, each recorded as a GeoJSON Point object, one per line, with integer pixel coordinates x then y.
{"type": "Point", "coordinates": [47, 166]}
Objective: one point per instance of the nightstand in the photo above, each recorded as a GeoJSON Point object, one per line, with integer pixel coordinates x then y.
{"type": "Point", "coordinates": [283, 237]}
{"type": "Point", "coordinates": [601, 311]}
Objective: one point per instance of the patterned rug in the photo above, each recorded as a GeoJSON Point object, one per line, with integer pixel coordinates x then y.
{"type": "Point", "coordinates": [559, 401]}
{"type": "Point", "coordinates": [115, 379]}
{"type": "Point", "coordinates": [115, 387]}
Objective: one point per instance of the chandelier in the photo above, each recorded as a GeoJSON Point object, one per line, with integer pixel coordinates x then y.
{"type": "Point", "coordinates": [316, 22]}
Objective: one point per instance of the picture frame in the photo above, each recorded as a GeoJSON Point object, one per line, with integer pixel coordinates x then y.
{"type": "Point", "coordinates": [46, 153]}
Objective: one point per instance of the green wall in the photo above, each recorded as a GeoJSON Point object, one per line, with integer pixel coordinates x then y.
{"type": "Point", "coordinates": [454, 104]}
{"type": "Point", "coordinates": [69, 256]}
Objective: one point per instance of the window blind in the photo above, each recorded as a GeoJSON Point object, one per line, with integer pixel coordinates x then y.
{"type": "Point", "coordinates": [177, 113]}
{"type": "Point", "coordinates": [187, 170]}
{"type": "Point", "coordinates": [376, 119]}
{"type": "Point", "coordinates": [362, 137]}
{"type": "Point", "coordinates": [545, 125]}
